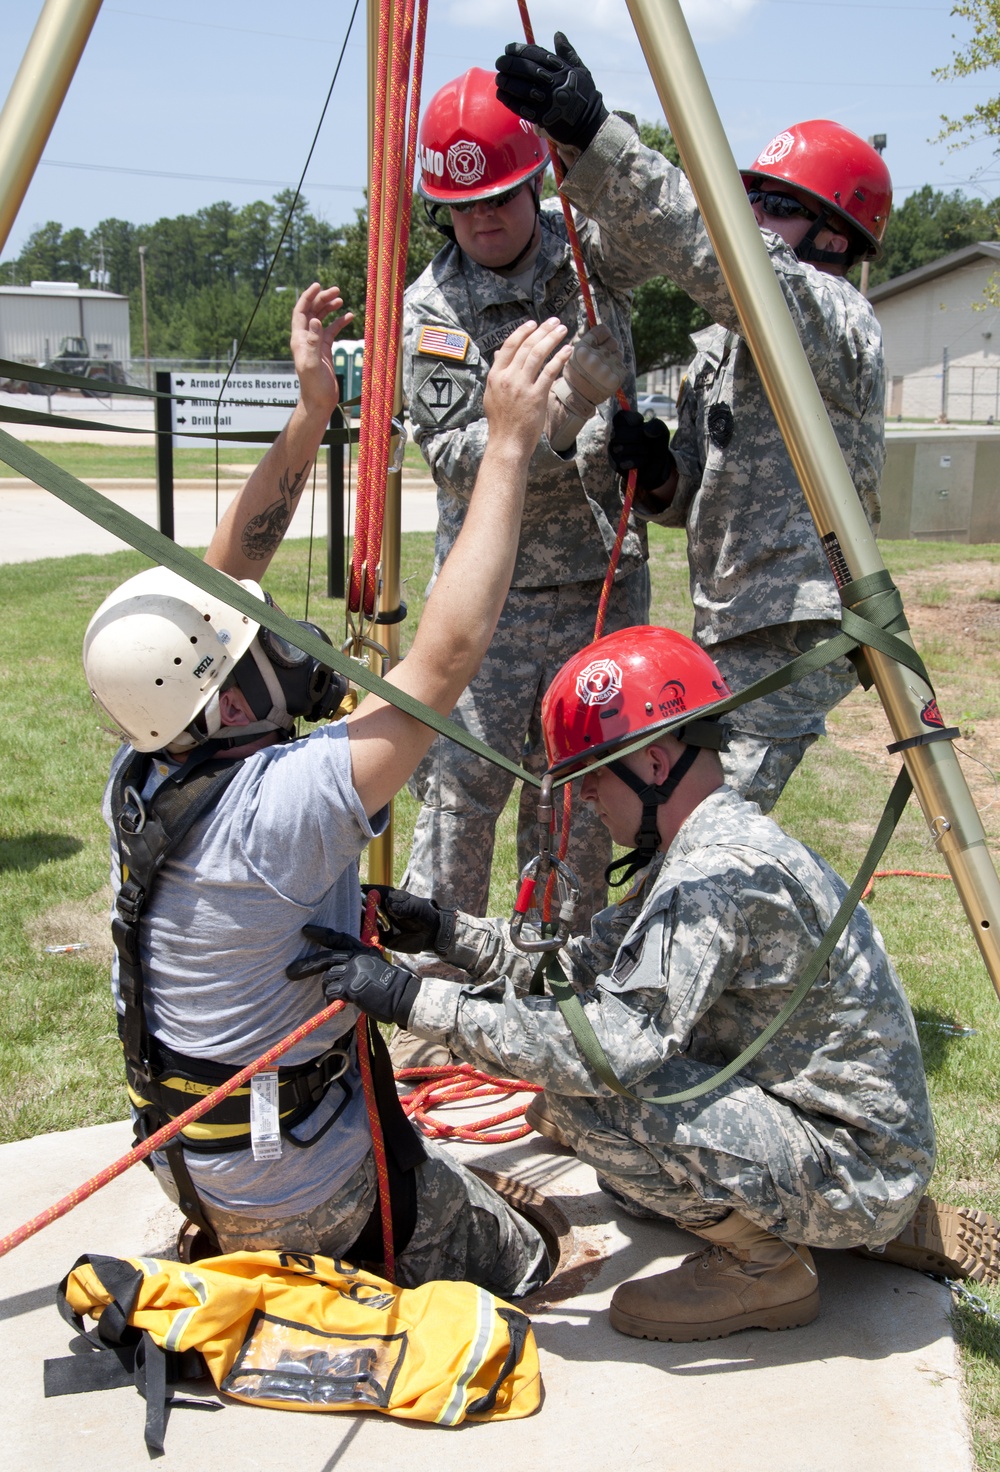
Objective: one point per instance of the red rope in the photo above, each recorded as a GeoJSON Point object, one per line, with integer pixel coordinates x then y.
{"type": "Point", "coordinates": [901, 874]}
{"type": "Point", "coordinates": [389, 210]}
{"type": "Point", "coordinates": [629, 497]}
{"type": "Point", "coordinates": [167, 1133]}
{"type": "Point", "coordinates": [369, 934]}
{"type": "Point", "coordinates": [458, 1083]}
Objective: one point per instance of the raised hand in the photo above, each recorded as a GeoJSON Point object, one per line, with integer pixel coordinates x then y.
{"type": "Point", "coordinates": [517, 389]}
{"type": "Point", "coordinates": [552, 89]}
{"type": "Point", "coordinates": [312, 346]}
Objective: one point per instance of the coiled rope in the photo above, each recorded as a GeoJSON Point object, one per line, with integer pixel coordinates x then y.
{"type": "Point", "coordinates": [460, 1084]}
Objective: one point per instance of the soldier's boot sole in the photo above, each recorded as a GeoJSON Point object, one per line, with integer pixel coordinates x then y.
{"type": "Point", "coordinates": [537, 1115]}
{"type": "Point", "coordinates": [950, 1241]}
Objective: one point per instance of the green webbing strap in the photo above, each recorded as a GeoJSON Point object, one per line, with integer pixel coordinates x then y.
{"type": "Point", "coordinates": [877, 590]}
{"type": "Point", "coordinates": [28, 373]}
{"type": "Point", "coordinates": [155, 545]}
{"type": "Point", "coordinates": [11, 415]}
{"type": "Point", "coordinates": [589, 1044]}
{"type": "Point", "coordinates": [876, 627]}
{"type": "Point", "coordinates": [338, 436]}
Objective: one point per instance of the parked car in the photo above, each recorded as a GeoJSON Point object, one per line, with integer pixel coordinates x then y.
{"type": "Point", "coordinates": [662, 405]}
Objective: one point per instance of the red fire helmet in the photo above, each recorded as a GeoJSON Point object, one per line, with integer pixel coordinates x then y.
{"type": "Point", "coordinates": [837, 167]}
{"type": "Point", "coordinates": [471, 146]}
{"type": "Point", "coordinates": [621, 687]}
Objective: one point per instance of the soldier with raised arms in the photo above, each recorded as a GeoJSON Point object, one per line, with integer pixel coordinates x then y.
{"type": "Point", "coordinates": [229, 836]}
{"type": "Point", "coordinates": [507, 261]}
{"type": "Point", "coordinates": [762, 588]}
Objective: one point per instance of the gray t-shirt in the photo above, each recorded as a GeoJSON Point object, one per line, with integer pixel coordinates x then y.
{"type": "Point", "coordinates": [278, 851]}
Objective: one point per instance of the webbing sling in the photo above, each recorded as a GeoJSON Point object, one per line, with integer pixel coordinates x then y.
{"type": "Point", "coordinates": [155, 545]}
{"type": "Point", "coordinates": [877, 626]}
{"type": "Point", "coordinates": [589, 1044]}
{"type": "Point", "coordinates": [333, 436]}
{"type": "Point", "coordinates": [882, 618]}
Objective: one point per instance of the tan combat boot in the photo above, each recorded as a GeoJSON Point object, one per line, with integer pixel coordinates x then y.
{"type": "Point", "coordinates": [745, 1279]}
{"type": "Point", "coordinates": [408, 1051]}
{"type": "Point", "coordinates": [538, 1116]}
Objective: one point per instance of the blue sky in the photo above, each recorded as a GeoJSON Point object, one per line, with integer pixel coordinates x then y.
{"type": "Point", "coordinates": [179, 103]}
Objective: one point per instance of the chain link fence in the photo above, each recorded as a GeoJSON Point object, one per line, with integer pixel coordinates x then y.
{"type": "Point", "coordinates": [955, 393]}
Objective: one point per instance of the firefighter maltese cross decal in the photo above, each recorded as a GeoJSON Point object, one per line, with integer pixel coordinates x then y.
{"type": "Point", "coordinates": [466, 162]}
{"type": "Point", "coordinates": [599, 682]}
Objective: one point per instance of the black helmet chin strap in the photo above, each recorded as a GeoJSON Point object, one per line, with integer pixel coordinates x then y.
{"type": "Point", "coordinates": [808, 251]}
{"type": "Point", "coordinates": [431, 208]}
{"type": "Point", "coordinates": [653, 796]}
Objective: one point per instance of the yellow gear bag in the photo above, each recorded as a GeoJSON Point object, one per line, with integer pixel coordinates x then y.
{"type": "Point", "coordinates": [304, 1333]}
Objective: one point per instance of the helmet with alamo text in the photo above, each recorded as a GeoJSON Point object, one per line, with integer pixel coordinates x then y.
{"type": "Point", "coordinates": [472, 147]}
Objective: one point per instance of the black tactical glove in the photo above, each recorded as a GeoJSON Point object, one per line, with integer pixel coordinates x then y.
{"type": "Point", "coordinates": [408, 922]}
{"type": "Point", "coordinates": [642, 445]}
{"type": "Point", "coordinates": [354, 972]}
{"type": "Point", "coordinates": [553, 89]}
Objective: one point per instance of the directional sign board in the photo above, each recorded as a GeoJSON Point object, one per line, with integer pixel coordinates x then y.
{"type": "Point", "coordinates": [251, 401]}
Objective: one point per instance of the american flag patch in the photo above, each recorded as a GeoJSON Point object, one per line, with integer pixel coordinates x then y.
{"type": "Point", "coordinates": [440, 343]}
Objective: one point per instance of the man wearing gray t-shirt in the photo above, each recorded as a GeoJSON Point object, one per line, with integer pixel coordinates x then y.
{"type": "Point", "coordinates": [259, 835]}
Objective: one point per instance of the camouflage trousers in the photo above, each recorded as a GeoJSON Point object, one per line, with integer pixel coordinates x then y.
{"type": "Point", "coordinates": [741, 1149]}
{"type": "Point", "coordinates": [463, 1231]}
{"type": "Point", "coordinates": [769, 737]}
{"type": "Point", "coordinates": [463, 795]}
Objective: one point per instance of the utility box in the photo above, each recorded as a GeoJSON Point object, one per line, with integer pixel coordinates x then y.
{"type": "Point", "coordinates": [34, 321]}
{"type": "Point", "coordinates": [941, 486]}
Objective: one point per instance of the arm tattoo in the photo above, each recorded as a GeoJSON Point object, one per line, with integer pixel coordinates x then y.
{"type": "Point", "coordinates": [263, 533]}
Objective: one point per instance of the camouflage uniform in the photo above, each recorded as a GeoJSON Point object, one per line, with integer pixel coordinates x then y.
{"type": "Point", "coordinates": [463, 1231]}
{"type": "Point", "coordinates": [456, 316]}
{"type": "Point", "coordinates": [760, 583]}
{"type": "Point", "coordinates": [824, 1138]}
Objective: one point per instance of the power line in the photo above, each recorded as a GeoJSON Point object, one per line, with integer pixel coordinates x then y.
{"type": "Point", "coordinates": [56, 163]}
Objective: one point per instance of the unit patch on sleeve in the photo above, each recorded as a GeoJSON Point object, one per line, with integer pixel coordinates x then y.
{"type": "Point", "coordinates": [442, 342]}
{"type": "Point", "coordinates": [438, 391]}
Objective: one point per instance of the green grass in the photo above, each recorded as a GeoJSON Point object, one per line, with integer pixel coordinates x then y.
{"type": "Point", "coordinates": [59, 1060]}
{"type": "Point", "coordinates": [138, 462]}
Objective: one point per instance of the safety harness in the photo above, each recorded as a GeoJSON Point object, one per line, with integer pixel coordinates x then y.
{"type": "Point", "coordinates": [161, 1081]}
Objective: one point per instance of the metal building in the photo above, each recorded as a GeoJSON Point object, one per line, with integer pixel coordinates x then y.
{"type": "Point", "coordinates": [34, 320]}
{"type": "Point", "coordinates": [941, 326]}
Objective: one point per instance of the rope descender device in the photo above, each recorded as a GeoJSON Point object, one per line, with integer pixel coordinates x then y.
{"type": "Point", "coordinates": [538, 871]}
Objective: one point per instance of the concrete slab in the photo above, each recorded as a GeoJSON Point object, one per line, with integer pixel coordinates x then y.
{"type": "Point", "coordinates": [871, 1386]}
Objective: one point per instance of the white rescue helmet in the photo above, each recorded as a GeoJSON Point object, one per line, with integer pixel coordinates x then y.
{"type": "Point", "coordinates": [158, 650]}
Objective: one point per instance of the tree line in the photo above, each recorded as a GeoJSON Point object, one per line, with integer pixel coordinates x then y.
{"type": "Point", "coordinates": [205, 271]}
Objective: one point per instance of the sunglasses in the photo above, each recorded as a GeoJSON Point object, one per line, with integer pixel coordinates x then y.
{"type": "Point", "coordinates": [495, 201]}
{"type": "Point", "coordinates": [780, 206]}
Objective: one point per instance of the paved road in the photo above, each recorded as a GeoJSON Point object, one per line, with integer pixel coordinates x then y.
{"type": "Point", "coordinates": [35, 524]}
